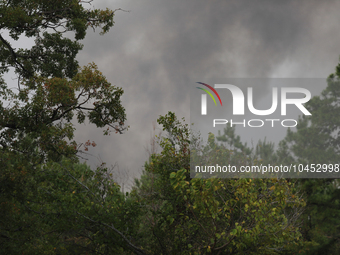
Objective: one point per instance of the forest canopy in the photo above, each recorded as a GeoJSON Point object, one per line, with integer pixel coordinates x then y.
{"type": "Point", "coordinates": [51, 203]}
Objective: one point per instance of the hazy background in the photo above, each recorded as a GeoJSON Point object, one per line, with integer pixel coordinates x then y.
{"type": "Point", "coordinates": [159, 49]}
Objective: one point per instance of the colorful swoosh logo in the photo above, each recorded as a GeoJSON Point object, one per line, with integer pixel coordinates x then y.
{"type": "Point", "coordinates": [208, 92]}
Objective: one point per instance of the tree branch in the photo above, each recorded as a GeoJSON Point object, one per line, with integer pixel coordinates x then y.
{"type": "Point", "coordinates": [133, 247]}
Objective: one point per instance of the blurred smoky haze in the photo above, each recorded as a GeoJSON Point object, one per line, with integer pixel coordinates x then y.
{"type": "Point", "coordinates": [160, 49]}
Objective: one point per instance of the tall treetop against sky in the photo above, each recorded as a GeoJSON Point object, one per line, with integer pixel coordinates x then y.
{"type": "Point", "coordinates": [159, 49]}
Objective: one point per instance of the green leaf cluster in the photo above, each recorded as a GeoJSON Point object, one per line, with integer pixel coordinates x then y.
{"type": "Point", "coordinates": [49, 202]}
{"type": "Point", "coordinates": [316, 141]}
{"type": "Point", "coordinates": [212, 216]}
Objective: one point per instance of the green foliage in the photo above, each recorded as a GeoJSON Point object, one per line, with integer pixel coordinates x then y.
{"type": "Point", "coordinates": [68, 209]}
{"type": "Point", "coordinates": [52, 55]}
{"type": "Point", "coordinates": [49, 203]}
{"type": "Point", "coordinates": [52, 204]}
{"type": "Point", "coordinates": [201, 216]}
{"type": "Point", "coordinates": [316, 140]}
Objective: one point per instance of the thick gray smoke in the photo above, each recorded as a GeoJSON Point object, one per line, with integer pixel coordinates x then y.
{"type": "Point", "coordinates": [159, 49]}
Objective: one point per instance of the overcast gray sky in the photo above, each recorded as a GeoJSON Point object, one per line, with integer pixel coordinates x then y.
{"type": "Point", "coordinates": [159, 49]}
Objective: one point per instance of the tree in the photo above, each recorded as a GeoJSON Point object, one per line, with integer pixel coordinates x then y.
{"type": "Point", "coordinates": [36, 131]}
{"type": "Point", "coordinates": [211, 216]}
{"type": "Point", "coordinates": [317, 141]}
{"type": "Point", "coordinates": [71, 209]}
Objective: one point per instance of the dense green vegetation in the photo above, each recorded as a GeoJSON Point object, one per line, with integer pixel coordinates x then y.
{"type": "Point", "coordinates": [218, 216]}
{"type": "Point", "coordinates": [50, 203]}
{"type": "Point", "coordinates": [317, 141]}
